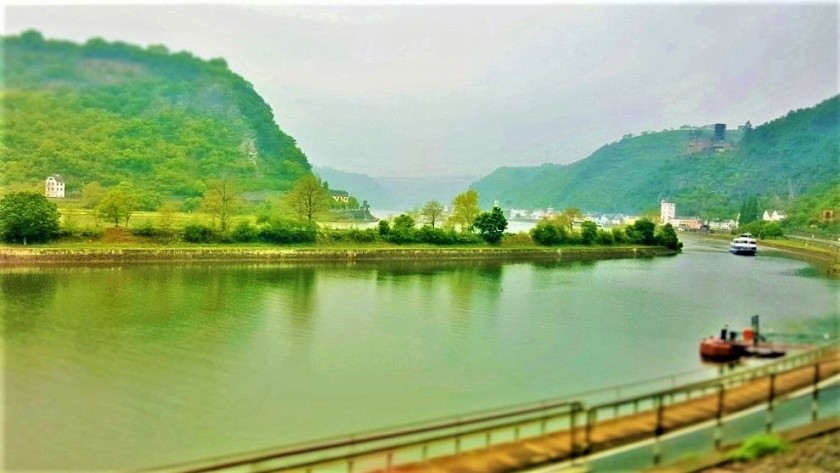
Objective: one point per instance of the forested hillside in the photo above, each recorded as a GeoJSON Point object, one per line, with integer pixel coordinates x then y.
{"type": "Point", "coordinates": [113, 112]}
{"type": "Point", "coordinates": [778, 162]}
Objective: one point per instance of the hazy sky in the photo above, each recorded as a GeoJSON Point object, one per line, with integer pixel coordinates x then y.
{"type": "Point", "coordinates": [464, 89]}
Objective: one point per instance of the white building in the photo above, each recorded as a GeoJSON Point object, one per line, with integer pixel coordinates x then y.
{"type": "Point", "coordinates": [667, 211]}
{"type": "Point", "coordinates": [54, 187]}
{"type": "Point", "coordinates": [772, 217]}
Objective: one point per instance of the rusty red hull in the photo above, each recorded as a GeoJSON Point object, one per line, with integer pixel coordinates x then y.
{"type": "Point", "coordinates": [715, 349]}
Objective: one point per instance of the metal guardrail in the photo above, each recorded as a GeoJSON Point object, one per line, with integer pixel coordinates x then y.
{"type": "Point", "coordinates": [658, 402]}
{"type": "Point", "coordinates": [404, 445]}
{"type": "Point", "coordinates": [382, 450]}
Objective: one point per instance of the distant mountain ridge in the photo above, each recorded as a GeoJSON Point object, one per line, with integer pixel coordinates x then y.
{"type": "Point", "coordinates": [777, 161]}
{"type": "Point", "coordinates": [113, 112]}
{"type": "Point", "coordinates": [359, 185]}
{"type": "Point", "coordinates": [396, 193]}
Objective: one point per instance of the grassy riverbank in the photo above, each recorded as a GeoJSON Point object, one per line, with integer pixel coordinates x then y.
{"type": "Point", "coordinates": [822, 254]}
{"type": "Point", "coordinates": [57, 254]}
{"type": "Point", "coordinates": [824, 257]}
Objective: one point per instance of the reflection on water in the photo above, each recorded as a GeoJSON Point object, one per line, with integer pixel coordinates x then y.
{"type": "Point", "coordinates": [137, 366]}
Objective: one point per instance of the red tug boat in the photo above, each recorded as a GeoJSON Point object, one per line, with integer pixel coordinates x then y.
{"type": "Point", "coordinates": [727, 347]}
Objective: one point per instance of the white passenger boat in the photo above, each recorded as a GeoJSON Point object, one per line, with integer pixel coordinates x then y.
{"type": "Point", "coordinates": [743, 244]}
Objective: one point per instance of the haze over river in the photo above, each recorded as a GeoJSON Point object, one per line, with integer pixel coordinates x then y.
{"type": "Point", "coordinates": [146, 365]}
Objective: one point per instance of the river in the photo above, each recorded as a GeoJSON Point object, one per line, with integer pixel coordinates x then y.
{"type": "Point", "coordinates": [130, 366]}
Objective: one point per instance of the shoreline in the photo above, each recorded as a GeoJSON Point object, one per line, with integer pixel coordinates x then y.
{"type": "Point", "coordinates": [45, 255]}
{"type": "Point", "coordinates": [826, 260]}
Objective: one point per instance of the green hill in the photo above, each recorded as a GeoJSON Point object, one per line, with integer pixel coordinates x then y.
{"type": "Point", "coordinates": [112, 112]}
{"type": "Point", "coordinates": [777, 161]}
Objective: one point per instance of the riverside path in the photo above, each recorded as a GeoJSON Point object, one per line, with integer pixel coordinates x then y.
{"type": "Point", "coordinates": [553, 432]}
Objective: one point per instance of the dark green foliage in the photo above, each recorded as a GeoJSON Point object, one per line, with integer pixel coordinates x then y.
{"type": "Point", "coordinates": [807, 212]}
{"type": "Point", "coordinates": [605, 238]}
{"type": "Point", "coordinates": [438, 236]}
{"type": "Point", "coordinates": [642, 232]}
{"type": "Point", "coordinates": [363, 236]}
{"type": "Point", "coordinates": [160, 235]}
{"type": "Point", "coordinates": [762, 229]}
{"type": "Point", "coordinates": [588, 232]}
{"type": "Point", "coordinates": [28, 217]}
{"type": "Point", "coordinates": [402, 230]}
{"type": "Point", "coordinates": [618, 234]}
{"type": "Point", "coordinates": [781, 159]}
{"type": "Point", "coordinates": [244, 232]}
{"type": "Point", "coordinates": [109, 112]}
{"type": "Point", "coordinates": [87, 233]}
{"type": "Point", "coordinates": [145, 229]}
{"type": "Point", "coordinates": [198, 233]}
{"type": "Point", "coordinates": [667, 237]}
{"type": "Point", "coordinates": [285, 232]}
{"type": "Point", "coordinates": [749, 211]}
{"type": "Point", "coordinates": [353, 235]}
{"type": "Point", "coordinates": [549, 233]}
{"type": "Point", "coordinates": [384, 228]}
{"type": "Point", "coordinates": [491, 225]}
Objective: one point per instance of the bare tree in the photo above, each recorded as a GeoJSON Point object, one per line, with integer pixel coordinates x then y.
{"type": "Point", "coordinates": [307, 198]}
{"type": "Point", "coordinates": [432, 212]}
{"type": "Point", "coordinates": [221, 201]}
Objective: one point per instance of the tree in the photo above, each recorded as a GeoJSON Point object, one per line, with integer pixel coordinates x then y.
{"type": "Point", "coordinates": [667, 237]}
{"type": "Point", "coordinates": [465, 210]}
{"type": "Point", "coordinates": [549, 232]}
{"type": "Point", "coordinates": [491, 225]}
{"type": "Point", "coordinates": [568, 216]}
{"type": "Point", "coordinates": [749, 211]}
{"type": "Point", "coordinates": [748, 132]}
{"type": "Point", "coordinates": [642, 232]}
{"type": "Point", "coordinates": [308, 197]}
{"type": "Point", "coordinates": [402, 230]}
{"type": "Point", "coordinates": [221, 200]}
{"type": "Point", "coordinates": [588, 232]}
{"type": "Point", "coordinates": [431, 212]}
{"type": "Point", "coordinates": [117, 204]}
{"type": "Point", "coordinates": [27, 217]}
{"type": "Point", "coordinates": [167, 211]}
{"type": "Point", "coordinates": [383, 228]}
{"type": "Point", "coordinates": [92, 193]}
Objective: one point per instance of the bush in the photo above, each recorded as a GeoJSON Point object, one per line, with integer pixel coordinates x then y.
{"type": "Point", "coordinates": [642, 232]}
{"type": "Point", "coordinates": [85, 233]}
{"type": "Point", "coordinates": [548, 234]}
{"type": "Point", "coordinates": [28, 217]}
{"type": "Point", "coordinates": [667, 237]}
{"type": "Point", "coordinates": [369, 235]}
{"type": "Point", "coordinates": [352, 235]}
{"type": "Point", "coordinates": [198, 233]}
{"type": "Point", "coordinates": [762, 229]}
{"type": "Point", "coordinates": [435, 236]}
{"type": "Point", "coordinates": [286, 232]}
{"type": "Point", "coordinates": [618, 235]}
{"type": "Point", "coordinates": [145, 229]}
{"type": "Point", "coordinates": [758, 446]}
{"type": "Point", "coordinates": [520, 238]}
{"type": "Point", "coordinates": [402, 231]}
{"type": "Point", "coordinates": [604, 238]}
{"type": "Point", "coordinates": [244, 232]}
{"type": "Point", "coordinates": [588, 232]}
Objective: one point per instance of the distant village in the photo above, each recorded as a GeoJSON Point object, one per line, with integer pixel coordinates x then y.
{"type": "Point", "coordinates": [667, 214]}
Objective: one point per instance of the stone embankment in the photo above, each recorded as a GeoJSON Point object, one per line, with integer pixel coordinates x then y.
{"type": "Point", "coordinates": [45, 255]}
